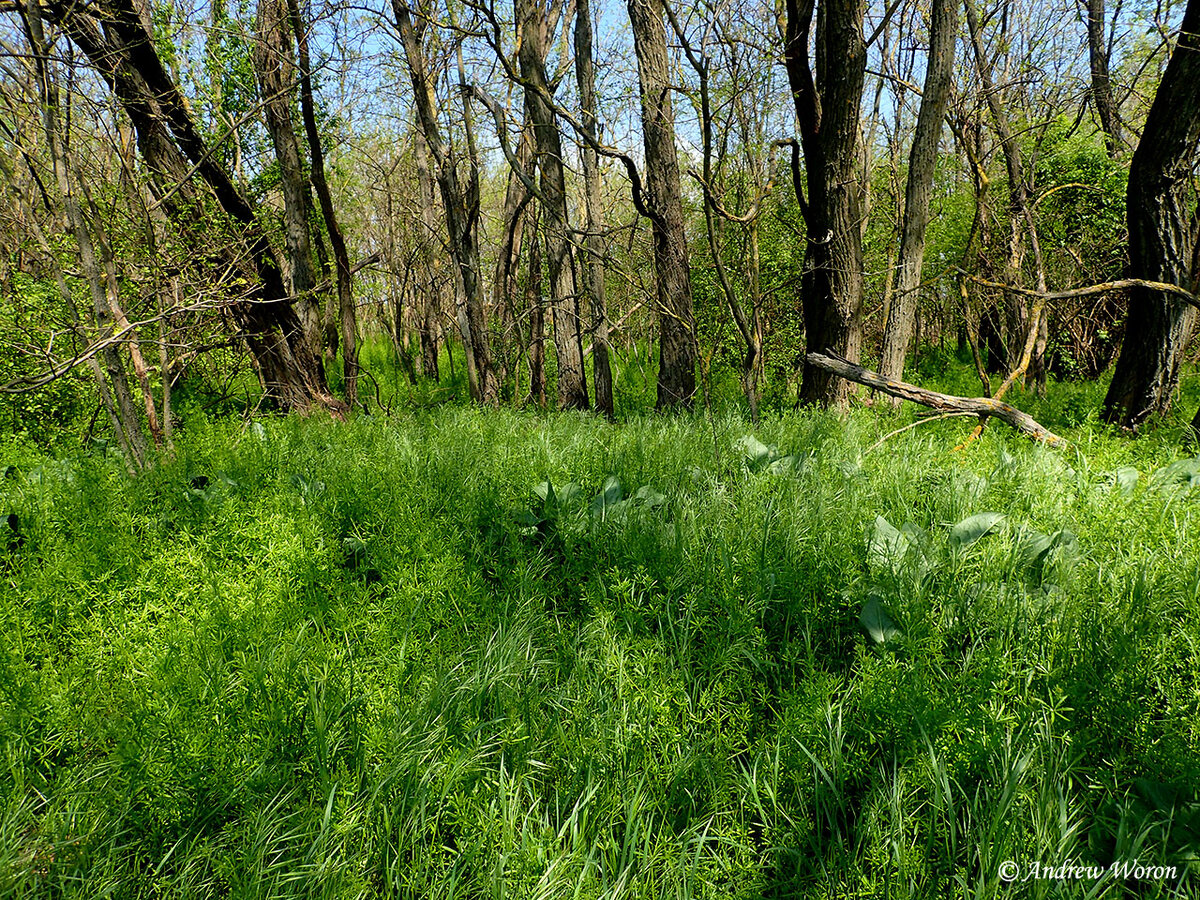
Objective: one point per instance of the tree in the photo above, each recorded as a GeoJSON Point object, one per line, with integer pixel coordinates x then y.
{"type": "Point", "coordinates": [593, 243]}
{"type": "Point", "coordinates": [460, 204]}
{"type": "Point", "coordinates": [337, 243]}
{"type": "Point", "coordinates": [274, 68]}
{"type": "Point", "coordinates": [1162, 239]}
{"type": "Point", "coordinates": [1099, 59]}
{"type": "Point", "coordinates": [922, 163]}
{"type": "Point", "coordinates": [118, 42]}
{"type": "Point", "coordinates": [827, 104]}
{"type": "Point", "coordinates": [664, 203]}
{"type": "Point", "coordinates": [564, 302]}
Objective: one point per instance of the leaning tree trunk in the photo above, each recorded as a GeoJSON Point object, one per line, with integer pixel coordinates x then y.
{"type": "Point", "coordinates": [564, 302]}
{"type": "Point", "coordinates": [174, 151]}
{"type": "Point", "coordinates": [1161, 240]}
{"type": "Point", "coordinates": [922, 163]}
{"type": "Point", "coordinates": [827, 106]}
{"type": "Point", "coordinates": [593, 244]}
{"type": "Point", "coordinates": [677, 338]}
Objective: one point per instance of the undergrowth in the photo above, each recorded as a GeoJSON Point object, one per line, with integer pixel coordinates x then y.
{"type": "Point", "coordinates": [466, 654]}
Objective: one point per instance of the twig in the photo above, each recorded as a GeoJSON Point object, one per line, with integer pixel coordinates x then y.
{"type": "Point", "coordinates": [911, 425]}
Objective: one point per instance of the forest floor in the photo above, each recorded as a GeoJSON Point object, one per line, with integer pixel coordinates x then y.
{"type": "Point", "coordinates": [455, 653]}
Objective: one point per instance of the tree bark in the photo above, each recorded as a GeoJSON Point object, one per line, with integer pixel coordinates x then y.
{"type": "Point", "coordinates": [827, 106]}
{"type": "Point", "coordinates": [430, 292]}
{"type": "Point", "coordinates": [337, 243]}
{"type": "Point", "coordinates": [1101, 93]}
{"type": "Point", "coordinates": [984, 407]}
{"type": "Point", "coordinates": [593, 244]}
{"type": "Point", "coordinates": [564, 302]}
{"type": "Point", "coordinates": [1161, 239]}
{"type": "Point", "coordinates": [537, 326]}
{"type": "Point", "coordinates": [274, 69]}
{"type": "Point", "coordinates": [677, 329]}
{"type": "Point", "coordinates": [922, 163]}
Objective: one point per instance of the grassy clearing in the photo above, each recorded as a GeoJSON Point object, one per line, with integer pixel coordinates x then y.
{"type": "Point", "coordinates": [387, 659]}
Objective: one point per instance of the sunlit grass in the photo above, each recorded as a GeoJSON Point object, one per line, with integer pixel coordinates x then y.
{"type": "Point", "coordinates": [302, 658]}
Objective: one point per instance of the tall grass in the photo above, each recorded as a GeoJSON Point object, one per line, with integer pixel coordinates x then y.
{"type": "Point", "coordinates": [463, 654]}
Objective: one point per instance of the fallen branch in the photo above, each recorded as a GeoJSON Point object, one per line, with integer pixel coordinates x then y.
{"type": "Point", "coordinates": [984, 407]}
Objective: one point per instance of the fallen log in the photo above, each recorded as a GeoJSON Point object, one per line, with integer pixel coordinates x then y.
{"type": "Point", "coordinates": [984, 407]}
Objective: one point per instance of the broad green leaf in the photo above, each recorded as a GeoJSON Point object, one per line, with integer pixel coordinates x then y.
{"type": "Point", "coordinates": [877, 622]}
{"type": "Point", "coordinates": [1032, 546]}
{"type": "Point", "coordinates": [756, 452]}
{"type": "Point", "coordinates": [787, 465]}
{"type": "Point", "coordinates": [885, 544]}
{"type": "Point", "coordinates": [608, 497]}
{"type": "Point", "coordinates": [972, 528]}
{"type": "Point", "coordinates": [552, 498]}
{"type": "Point", "coordinates": [1178, 477]}
{"type": "Point", "coordinates": [1037, 552]}
{"type": "Point", "coordinates": [649, 496]}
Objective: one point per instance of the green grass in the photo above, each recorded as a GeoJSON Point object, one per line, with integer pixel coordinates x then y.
{"type": "Point", "coordinates": [375, 659]}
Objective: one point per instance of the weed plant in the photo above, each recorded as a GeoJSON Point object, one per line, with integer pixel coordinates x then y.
{"type": "Point", "coordinates": [455, 653]}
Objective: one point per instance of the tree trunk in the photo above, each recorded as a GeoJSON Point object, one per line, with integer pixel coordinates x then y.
{"type": "Point", "coordinates": [1161, 240]}
{"type": "Point", "coordinates": [274, 69]}
{"type": "Point", "coordinates": [112, 378]}
{"type": "Point", "coordinates": [828, 114]}
{"type": "Point", "coordinates": [593, 245]}
{"type": "Point", "coordinates": [922, 163]}
{"type": "Point", "coordinates": [337, 242]}
{"type": "Point", "coordinates": [1020, 212]}
{"type": "Point", "coordinates": [537, 326]}
{"type": "Point", "coordinates": [677, 338]}
{"type": "Point", "coordinates": [1101, 93]}
{"type": "Point", "coordinates": [461, 205]}
{"type": "Point", "coordinates": [564, 302]}
{"type": "Point", "coordinates": [505, 285]}
{"type": "Point", "coordinates": [429, 290]}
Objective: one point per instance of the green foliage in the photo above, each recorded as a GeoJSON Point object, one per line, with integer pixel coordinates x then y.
{"type": "Point", "coordinates": [458, 653]}
{"type": "Point", "coordinates": [31, 309]}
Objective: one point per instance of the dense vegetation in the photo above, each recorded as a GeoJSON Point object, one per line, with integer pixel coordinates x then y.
{"type": "Point", "coordinates": [457, 653]}
{"type": "Point", "coordinates": [435, 459]}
